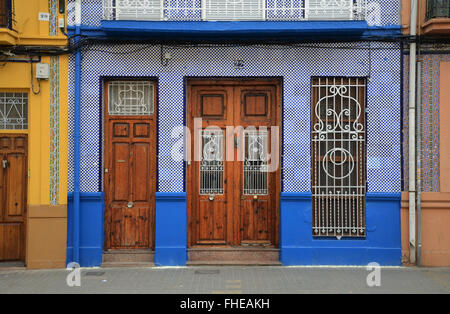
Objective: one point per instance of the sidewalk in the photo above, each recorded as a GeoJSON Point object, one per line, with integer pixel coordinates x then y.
{"type": "Point", "coordinates": [229, 280]}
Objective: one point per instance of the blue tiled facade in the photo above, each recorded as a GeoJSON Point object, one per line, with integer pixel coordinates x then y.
{"type": "Point", "coordinates": [379, 62]}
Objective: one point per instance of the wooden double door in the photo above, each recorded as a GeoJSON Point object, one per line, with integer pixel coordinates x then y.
{"type": "Point", "coordinates": [13, 196]}
{"type": "Point", "coordinates": [232, 184]}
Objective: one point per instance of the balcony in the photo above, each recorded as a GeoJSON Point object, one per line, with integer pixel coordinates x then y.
{"type": "Point", "coordinates": [5, 14]}
{"type": "Point", "coordinates": [219, 21]}
{"type": "Point", "coordinates": [7, 35]}
{"type": "Point", "coordinates": [437, 18]}
{"type": "Point", "coordinates": [234, 10]}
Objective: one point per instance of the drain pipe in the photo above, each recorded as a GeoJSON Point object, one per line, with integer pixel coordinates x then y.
{"type": "Point", "coordinates": [419, 161]}
{"type": "Point", "coordinates": [76, 155]}
{"type": "Point", "coordinates": [412, 134]}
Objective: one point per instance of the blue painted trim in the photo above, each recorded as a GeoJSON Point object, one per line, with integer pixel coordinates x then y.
{"type": "Point", "coordinates": [236, 30]}
{"type": "Point", "coordinates": [91, 236]}
{"type": "Point", "coordinates": [77, 154]}
{"type": "Point", "coordinates": [171, 229]}
{"type": "Point", "coordinates": [170, 196]}
{"type": "Point", "coordinates": [89, 196]}
{"type": "Point", "coordinates": [293, 196]}
{"type": "Point", "coordinates": [383, 197]}
{"type": "Point", "coordinates": [382, 243]}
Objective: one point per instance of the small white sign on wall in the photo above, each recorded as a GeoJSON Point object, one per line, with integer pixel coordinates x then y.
{"type": "Point", "coordinates": [44, 17]}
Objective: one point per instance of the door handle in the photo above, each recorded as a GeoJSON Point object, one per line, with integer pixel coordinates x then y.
{"type": "Point", "coordinates": [130, 204]}
{"type": "Point", "coordinates": [5, 163]}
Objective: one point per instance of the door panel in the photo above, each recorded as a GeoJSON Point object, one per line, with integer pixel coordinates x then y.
{"type": "Point", "coordinates": [212, 216]}
{"type": "Point", "coordinates": [258, 224]}
{"type": "Point", "coordinates": [244, 212]}
{"type": "Point", "coordinates": [121, 171]}
{"type": "Point", "coordinates": [13, 198]}
{"type": "Point", "coordinates": [141, 165]}
{"type": "Point", "coordinates": [12, 242]}
{"type": "Point", "coordinates": [130, 180]}
{"type": "Point", "coordinates": [131, 183]}
{"type": "Point", "coordinates": [15, 185]}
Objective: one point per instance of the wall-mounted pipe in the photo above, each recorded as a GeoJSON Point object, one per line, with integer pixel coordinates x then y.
{"type": "Point", "coordinates": [76, 154]}
{"type": "Point", "coordinates": [419, 161]}
{"type": "Point", "coordinates": [412, 135]}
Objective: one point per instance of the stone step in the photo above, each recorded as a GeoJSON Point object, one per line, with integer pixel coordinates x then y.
{"type": "Point", "coordinates": [12, 266]}
{"type": "Point", "coordinates": [233, 263]}
{"type": "Point", "coordinates": [126, 264]}
{"type": "Point", "coordinates": [127, 256]}
{"type": "Point", "coordinates": [234, 256]}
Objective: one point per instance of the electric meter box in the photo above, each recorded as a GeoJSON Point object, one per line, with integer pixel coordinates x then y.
{"type": "Point", "coordinates": [42, 71]}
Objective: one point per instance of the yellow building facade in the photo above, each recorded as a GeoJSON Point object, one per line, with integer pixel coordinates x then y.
{"type": "Point", "coordinates": [33, 133]}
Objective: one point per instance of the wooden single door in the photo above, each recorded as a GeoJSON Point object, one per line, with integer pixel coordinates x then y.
{"type": "Point", "coordinates": [13, 196]}
{"type": "Point", "coordinates": [232, 197]}
{"type": "Point", "coordinates": [130, 177]}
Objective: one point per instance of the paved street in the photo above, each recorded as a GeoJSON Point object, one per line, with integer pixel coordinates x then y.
{"type": "Point", "coordinates": [229, 280]}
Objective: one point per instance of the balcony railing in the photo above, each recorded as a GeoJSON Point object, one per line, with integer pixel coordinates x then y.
{"type": "Point", "coordinates": [438, 9]}
{"type": "Point", "coordinates": [6, 14]}
{"type": "Point", "coordinates": [234, 10]}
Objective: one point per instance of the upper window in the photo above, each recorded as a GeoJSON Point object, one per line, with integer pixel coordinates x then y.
{"type": "Point", "coordinates": [6, 13]}
{"type": "Point", "coordinates": [338, 157]}
{"type": "Point", "coordinates": [13, 111]}
{"type": "Point", "coordinates": [438, 8]}
{"type": "Point", "coordinates": [229, 10]}
{"type": "Point", "coordinates": [127, 98]}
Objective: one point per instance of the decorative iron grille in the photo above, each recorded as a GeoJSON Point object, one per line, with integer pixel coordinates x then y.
{"type": "Point", "coordinates": [438, 8]}
{"type": "Point", "coordinates": [131, 98]}
{"type": "Point", "coordinates": [14, 111]}
{"type": "Point", "coordinates": [6, 13]}
{"type": "Point", "coordinates": [255, 163]}
{"type": "Point", "coordinates": [234, 10]}
{"type": "Point", "coordinates": [212, 163]}
{"type": "Point", "coordinates": [338, 157]}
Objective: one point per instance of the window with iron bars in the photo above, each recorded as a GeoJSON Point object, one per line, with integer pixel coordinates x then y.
{"type": "Point", "coordinates": [13, 111]}
{"type": "Point", "coordinates": [338, 157]}
{"type": "Point", "coordinates": [6, 13]}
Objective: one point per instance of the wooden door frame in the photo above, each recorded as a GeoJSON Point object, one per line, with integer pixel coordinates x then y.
{"type": "Point", "coordinates": [189, 100]}
{"type": "Point", "coordinates": [153, 135]}
{"type": "Point", "coordinates": [26, 191]}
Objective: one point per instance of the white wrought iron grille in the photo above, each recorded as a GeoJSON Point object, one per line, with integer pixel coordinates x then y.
{"type": "Point", "coordinates": [255, 163]}
{"type": "Point", "coordinates": [14, 111]}
{"type": "Point", "coordinates": [234, 9]}
{"type": "Point", "coordinates": [132, 9]}
{"type": "Point", "coordinates": [338, 157]}
{"type": "Point", "coordinates": [336, 9]}
{"type": "Point", "coordinates": [213, 10]}
{"type": "Point", "coordinates": [212, 163]}
{"type": "Point", "coordinates": [131, 98]}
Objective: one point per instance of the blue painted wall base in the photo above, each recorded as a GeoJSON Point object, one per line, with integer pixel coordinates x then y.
{"type": "Point", "coordinates": [171, 229]}
{"type": "Point", "coordinates": [92, 221]}
{"type": "Point", "coordinates": [382, 243]}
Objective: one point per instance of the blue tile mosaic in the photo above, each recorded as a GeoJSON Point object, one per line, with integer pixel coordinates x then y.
{"type": "Point", "coordinates": [296, 65]}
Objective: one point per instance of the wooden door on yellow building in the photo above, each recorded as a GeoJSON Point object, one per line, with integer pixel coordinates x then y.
{"type": "Point", "coordinates": [13, 196]}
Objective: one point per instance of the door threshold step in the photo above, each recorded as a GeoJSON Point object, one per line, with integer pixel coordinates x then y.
{"type": "Point", "coordinates": [12, 266]}
{"type": "Point", "coordinates": [234, 249]}
{"type": "Point", "coordinates": [128, 251]}
{"type": "Point", "coordinates": [126, 264]}
{"type": "Point", "coordinates": [128, 256]}
{"type": "Point", "coordinates": [233, 263]}
{"type": "Point", "coordinates": [234, 256]}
